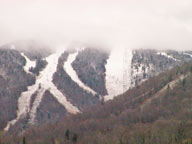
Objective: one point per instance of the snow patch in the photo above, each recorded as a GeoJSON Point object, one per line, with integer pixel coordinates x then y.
{"type": "Point", "coordinates": [118, 73]}
{"type": "Point", "coordinates": [29, 64]}
{"type": "Point", "coordinates": [139, 72]}
{"type": "Point", "coordinates": [72, 73]}
{"type": "Point", "coordinates": [168, 56]}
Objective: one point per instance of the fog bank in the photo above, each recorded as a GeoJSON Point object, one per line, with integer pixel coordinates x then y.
{"type": "Point", "coordinates": [161, 24]}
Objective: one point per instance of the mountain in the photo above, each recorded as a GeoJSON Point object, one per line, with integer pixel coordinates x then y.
{"type": "Point", "coordinates": [156, 111]}
{"type": "Point", "coordinates": [41, 86]}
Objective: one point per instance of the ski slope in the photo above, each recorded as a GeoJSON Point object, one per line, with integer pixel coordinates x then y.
{"type": "Point", "coordinates": [118, 72]}
{"type": "Point", "coordinates": [72, 73]}
{"type": "Point", "coordinates": [43, 83]}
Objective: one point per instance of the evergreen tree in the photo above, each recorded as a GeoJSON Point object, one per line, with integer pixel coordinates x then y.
{"type": "Point", "coordinates": [74, 139]}
{"type": "Point", "coordinates": [67, 134]}
{"type": "Point", "coordinates": [184, 81]}
{"type": "Point", "coordinates": [24, 140]}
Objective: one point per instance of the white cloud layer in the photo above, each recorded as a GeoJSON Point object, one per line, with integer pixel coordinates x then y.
{"type": "Point", "coordinates": [113, 23]}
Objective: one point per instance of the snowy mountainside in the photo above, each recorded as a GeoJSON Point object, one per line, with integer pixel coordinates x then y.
{"type": "Point", "coordinates": [148, 63]}
{"type": "Point", "coordinates": [56, 84]}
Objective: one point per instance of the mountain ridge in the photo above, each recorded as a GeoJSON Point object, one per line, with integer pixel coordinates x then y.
{"type": "Point", "coordinates": [90, 66]}
{"type": "Point", "coordinates": [166, 118]}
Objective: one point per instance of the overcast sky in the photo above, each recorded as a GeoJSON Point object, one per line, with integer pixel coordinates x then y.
{"type": "Point", "coordinates": [114, 23]}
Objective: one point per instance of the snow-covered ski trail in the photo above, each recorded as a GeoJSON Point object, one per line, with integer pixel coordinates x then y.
{"type": "Point", "coordinates": [43, 83]}
{"type": "Point", "coordinates": [118, 72]}
{"type": "Point", "coordinates": [72, 73]}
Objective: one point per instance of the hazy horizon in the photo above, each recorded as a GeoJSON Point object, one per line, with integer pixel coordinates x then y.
{"type": "Point", "coordinates": [160, 24]}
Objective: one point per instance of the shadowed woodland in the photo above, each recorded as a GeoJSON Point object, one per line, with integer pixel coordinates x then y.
{"type": "Point", "coordinates": [128, 119]}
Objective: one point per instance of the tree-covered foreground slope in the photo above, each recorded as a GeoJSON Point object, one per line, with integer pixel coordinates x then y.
{"type": "Point", "coordinates": [159, 111]}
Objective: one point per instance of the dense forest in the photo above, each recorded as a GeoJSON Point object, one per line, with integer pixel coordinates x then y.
{"type": "Point", "coordinates": [159, 111]}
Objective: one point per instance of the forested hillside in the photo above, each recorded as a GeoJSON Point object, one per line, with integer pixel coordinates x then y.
{"type": "Point", "coordinates": [13, 80]}
{"type": "Point", "coordinates": [159, 111]}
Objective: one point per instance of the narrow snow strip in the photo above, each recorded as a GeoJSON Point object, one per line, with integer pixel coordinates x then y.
{"type": "Point", "coordinates": [188, 54]}
{"type": "Point", "coordinates": [29, 64]}
{"type": "Point", "coordinates": [62, 100]}
{"type": "Point", "coordinates": [10, 123]}
{"type": "Point", "coordinates": [35, 105]}
{"type": "Point", "coordinates": [170, 85]}
{"type": "Point", "coordinates": [72, 73]}
{"type": "Point", "coordinates": [118, 73]}
{"type": "Point", "coordinates": [168, 56]}
{"type": "Point", "coordinates": [23, 105]}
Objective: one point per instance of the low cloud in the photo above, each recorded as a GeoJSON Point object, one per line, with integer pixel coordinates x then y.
{"type": "Point", "coordinates": [162, 24]}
